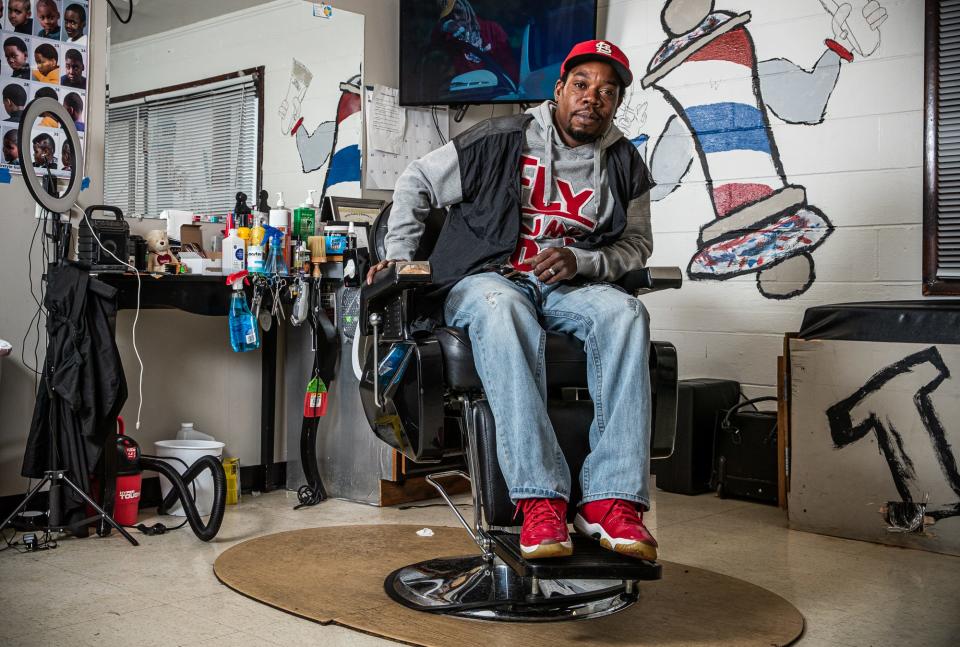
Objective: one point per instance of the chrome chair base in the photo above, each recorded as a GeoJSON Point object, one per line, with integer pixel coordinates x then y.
{"type": "Point", "coordinates": [488, 589]}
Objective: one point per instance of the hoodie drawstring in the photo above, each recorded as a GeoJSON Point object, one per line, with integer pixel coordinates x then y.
{"type": "Point", "coordinates": [598, 151]}
{"type": "Point", "coordinates": [548, 162]}
{"type": "Point", "coordinates": [543, 114]}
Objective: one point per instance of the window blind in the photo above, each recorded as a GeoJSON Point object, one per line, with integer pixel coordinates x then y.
{"type": "Point", "coordinates": [191, 152]}
{"type": "Point", "coordinates": [948, 141]}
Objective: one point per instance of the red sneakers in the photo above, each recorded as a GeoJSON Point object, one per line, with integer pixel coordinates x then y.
{"type": "Point", "coordinates": [544, 532]}
{"type": "Point", "coordinates": [619, 527]}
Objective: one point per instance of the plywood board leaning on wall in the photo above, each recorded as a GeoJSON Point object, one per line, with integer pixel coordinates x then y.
{"type": "Point", "coordinates": [874, 432]}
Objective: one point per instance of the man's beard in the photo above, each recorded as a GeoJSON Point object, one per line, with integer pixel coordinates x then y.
{"type": "Point", "coordinates": [581, 136]}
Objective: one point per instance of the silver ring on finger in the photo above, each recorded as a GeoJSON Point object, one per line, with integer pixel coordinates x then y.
{"type": "Point", "coordinates": [552, 271]}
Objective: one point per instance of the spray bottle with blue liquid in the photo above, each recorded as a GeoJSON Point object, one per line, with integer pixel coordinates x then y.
{"type": "Point", "coordinates": [275, 264]}
{"type": "Point", "coordinates": [244, 334]}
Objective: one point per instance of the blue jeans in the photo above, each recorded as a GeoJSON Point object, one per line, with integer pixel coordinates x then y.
{"type": "Point", "coordinates": [506, 321]}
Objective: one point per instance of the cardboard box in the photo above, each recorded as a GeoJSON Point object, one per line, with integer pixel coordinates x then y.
{"type": "Point", "coordinates": [191, 234]}
{"type": "Point", "coordinates": [211, 264]}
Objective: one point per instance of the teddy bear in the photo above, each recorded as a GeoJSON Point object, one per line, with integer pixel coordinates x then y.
{"type": "Point", "coordinates": [159, 254]}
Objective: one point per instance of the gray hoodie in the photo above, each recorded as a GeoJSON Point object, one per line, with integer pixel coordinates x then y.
{"type": "Point", "coordinates": [565, 194]}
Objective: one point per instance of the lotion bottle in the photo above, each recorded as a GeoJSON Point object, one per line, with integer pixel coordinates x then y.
{"type": "Point", "coordinates": [280, 220]}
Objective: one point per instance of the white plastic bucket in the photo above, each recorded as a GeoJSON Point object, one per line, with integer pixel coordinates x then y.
{"type": "Point", "coordinates": [189, 451]}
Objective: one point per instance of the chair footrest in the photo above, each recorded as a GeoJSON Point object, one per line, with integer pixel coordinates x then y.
{"type": "Point", "coordinates": [589, 561]}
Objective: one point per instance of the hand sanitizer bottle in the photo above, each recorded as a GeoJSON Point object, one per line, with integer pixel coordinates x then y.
{"type": "Point", "coordinates": [305, 218]}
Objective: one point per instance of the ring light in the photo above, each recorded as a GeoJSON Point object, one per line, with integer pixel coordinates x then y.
{"type": "Point", "coordinates": [33, 111]}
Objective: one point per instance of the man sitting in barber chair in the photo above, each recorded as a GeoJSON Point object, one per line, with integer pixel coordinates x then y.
{"type": "Point", "coordinates": [547, 208]}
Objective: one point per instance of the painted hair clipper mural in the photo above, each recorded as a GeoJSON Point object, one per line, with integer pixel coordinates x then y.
{"type": "Point", "coordinates": [724, 99]}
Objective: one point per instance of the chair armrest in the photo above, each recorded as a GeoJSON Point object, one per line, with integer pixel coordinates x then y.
{"type": "Point", "coordinates": [651, 279]}
{"type": "Point", "coordinates": [390, 283]}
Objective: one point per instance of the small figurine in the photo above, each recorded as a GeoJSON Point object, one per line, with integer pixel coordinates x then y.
{"type": "Point", "coordinates": [158, 246]}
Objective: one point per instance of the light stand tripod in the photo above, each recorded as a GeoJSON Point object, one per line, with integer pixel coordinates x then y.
{"type": "Point", "coordinates": [57, 478]}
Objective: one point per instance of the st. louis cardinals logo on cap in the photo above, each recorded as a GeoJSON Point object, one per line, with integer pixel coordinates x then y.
{"type": "Point", "coordinates": [599, 50]}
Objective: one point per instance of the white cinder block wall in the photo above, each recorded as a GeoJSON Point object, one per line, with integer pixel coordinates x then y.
{"type": "Point", "coordinates": [862, 167]}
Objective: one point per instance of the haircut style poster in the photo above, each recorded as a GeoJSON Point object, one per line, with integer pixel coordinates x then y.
{"type": "Point", "coordinates": [44, 55]}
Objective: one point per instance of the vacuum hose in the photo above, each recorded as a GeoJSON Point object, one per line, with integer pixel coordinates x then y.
{"type": "Point", "coordinates": [207, 531]}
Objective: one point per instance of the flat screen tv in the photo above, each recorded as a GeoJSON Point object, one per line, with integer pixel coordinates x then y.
{"type": "Point", "coordinates": [461, 52]}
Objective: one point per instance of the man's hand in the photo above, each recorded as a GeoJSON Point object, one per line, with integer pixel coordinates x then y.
{"type": "Point", "coordinates": [554, 264]}
{"type": "Point", "coordinates": [379, 267]}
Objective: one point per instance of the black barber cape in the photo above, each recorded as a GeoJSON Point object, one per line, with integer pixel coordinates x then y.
{"type": "Point", "coordinates": [87, 387]}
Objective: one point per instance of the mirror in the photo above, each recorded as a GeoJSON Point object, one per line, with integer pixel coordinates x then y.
{"type": "Point", "coordinates": [47, 143]}
{"type": "Point", "coordinates": [220, 114]}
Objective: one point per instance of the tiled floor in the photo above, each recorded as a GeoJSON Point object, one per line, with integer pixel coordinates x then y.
{"type": "Point", "coordinates": [102, 592]}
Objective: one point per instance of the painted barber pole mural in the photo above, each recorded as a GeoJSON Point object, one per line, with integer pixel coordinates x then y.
{"type": "Point", "coordinates": [723, 97]}
{"type": "Point", "coordinates": [335, 143]}
{"type": "Point", "coordinates": [343, 173]}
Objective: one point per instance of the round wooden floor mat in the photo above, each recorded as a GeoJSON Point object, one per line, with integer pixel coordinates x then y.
{"type": "Point", "coordinates": [336, 575]}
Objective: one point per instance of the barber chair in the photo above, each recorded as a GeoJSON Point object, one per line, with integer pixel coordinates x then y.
{"type": "Point", "coordinates": [426, 401]}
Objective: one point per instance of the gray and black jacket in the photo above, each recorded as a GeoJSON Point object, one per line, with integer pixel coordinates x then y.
{"type": "Point", "coordinates": [477, 175]}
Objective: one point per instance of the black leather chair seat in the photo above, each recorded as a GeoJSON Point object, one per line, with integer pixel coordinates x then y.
{"type": "Point", "coordinates": [565, 359]}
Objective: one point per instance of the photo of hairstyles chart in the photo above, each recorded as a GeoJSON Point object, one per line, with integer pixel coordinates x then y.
{"type": "Point", "coordinates": [44, 55]}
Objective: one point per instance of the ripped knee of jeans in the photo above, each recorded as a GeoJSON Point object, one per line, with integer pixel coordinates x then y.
{"type": "Point", "coordinates": [491, 298]}
{"type": "Point", "coordinates": [639, 310]}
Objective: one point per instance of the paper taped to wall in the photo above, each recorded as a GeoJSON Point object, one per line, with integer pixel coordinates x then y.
{"type": "Point", "coordinates": [387, 120]}
{"type": "Point", "coordinates": [423, 130]}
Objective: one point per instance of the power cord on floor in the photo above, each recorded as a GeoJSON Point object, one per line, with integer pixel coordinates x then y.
{"type": "Point", "coordinates": [29, 542]}
{"type": "Point", "coordinates": [8, 540]}
{"type": "Point", "coordinates": [156, 529]}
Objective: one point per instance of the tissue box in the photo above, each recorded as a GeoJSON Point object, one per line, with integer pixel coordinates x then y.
{"type": "Point", "coordinates": [194, 263]}
{"type": "Point", "coordinates": [197, 264]}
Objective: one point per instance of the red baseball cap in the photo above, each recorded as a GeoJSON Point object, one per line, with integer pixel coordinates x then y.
{"type": "Point", "coordinates": [599, 50]}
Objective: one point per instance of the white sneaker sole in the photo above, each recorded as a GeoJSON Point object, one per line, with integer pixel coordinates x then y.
{"type": "Point", "coordinates": [628, 547]}
{"type": "Point", "coordinates": [557, 549]}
